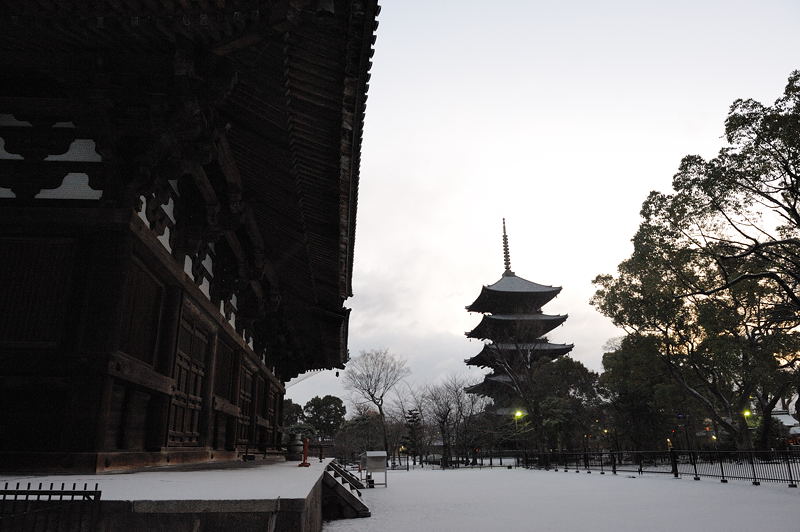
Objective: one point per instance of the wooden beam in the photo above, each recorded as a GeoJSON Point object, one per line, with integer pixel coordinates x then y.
{"type": "Point", "coordinates": [243, 41]}
{"type": "Point", "coordinates": [127, 368]}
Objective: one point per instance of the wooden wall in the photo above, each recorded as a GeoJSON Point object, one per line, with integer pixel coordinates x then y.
{"type": "Point", "coordinates": [107, 347]}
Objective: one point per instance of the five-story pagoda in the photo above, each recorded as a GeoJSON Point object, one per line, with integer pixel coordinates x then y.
{"type": "Point", "coordinates": [514, 326]}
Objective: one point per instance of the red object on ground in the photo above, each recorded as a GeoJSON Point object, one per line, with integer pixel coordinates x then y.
{"type": "Point", "coordinates": [305, 463]}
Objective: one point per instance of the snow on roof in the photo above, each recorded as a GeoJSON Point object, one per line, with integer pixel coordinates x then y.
{"type": "Point", "coordinates": [785, 418]}
{"type": "Point", "coordinates": [375, 453]}
{"type": "Point", "coordinates": [529, 317]}
{"type": "Point", "coordinates": [512, 283]}
{"type": "Point", "coordinates": [537, 346]}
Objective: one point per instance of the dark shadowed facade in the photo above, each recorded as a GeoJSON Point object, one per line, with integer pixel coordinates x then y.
{"type": "Point", "coordinates": [178, 189]}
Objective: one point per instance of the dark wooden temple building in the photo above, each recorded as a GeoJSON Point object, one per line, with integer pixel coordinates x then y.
{"type": "Point", "coordinates": [513, 326]}
{"type": "Point", "coordinates": [178, 184]}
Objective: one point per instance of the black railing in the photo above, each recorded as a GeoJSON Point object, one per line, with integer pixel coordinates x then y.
{"type": "Point", "coordinates": [34, 508]}
{"type": "Point", "coordinates": [753, 466]}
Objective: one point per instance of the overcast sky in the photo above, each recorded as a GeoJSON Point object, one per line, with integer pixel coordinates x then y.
{"type": "Point", "coordinates": [558, 116]}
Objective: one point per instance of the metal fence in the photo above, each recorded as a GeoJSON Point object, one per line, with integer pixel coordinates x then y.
{"type": "Point", "coordinates": [753, 466]}
{"type": "Point", "coordinates": [33, 508]}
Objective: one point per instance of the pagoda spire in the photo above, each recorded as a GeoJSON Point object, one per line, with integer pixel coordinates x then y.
{"type": "Point", "coordinates": [506, 253]}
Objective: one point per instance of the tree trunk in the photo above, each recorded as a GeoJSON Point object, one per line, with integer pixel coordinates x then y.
{"type": "Point", "coordinates": [742, 434]}
{"type": "Point", "coordinates": [385, 434]}
{"type": "Point", "coordinates": [445, 446]}
{"type": "Point", "coordinates": [765, 431]}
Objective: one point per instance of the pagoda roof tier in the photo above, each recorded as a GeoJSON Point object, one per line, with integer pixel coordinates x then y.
{"type": "Point", "coordinates": [500, 378]}
{"type": "Point", "coordinates": [513, 294]}
{"type": "Point", "coordinates": [492, 385]}
{"type": "Point", "coordinates": [491, 352]}
{"type": "Point", "coordinates": [517, 327]}
{"type": "Point", "coordinates": [478, 389]}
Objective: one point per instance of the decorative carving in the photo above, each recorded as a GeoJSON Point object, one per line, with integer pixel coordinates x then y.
{"type": "Point", "coordinates": [159, 146]}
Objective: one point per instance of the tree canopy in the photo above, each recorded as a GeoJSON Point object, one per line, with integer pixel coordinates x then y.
{"type": "Point", "coordinates": [292, 413]}
{"type": "Point", "coordinates": [712, 283]}
{"type": "Point", "coordinates": [740, 208]}
{"type": "Point", "coordinates": [325, 414]}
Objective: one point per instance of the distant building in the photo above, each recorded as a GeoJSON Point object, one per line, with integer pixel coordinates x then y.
{"type": "Point", "coordinates": [514, 326]}
{"type": "Point", "coordinates": [791, 424]}
{"type": "Point", "coordinates": [178, 191]}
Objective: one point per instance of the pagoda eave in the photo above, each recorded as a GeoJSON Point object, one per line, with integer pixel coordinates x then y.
{"type": "Point", "coordinates": [491, 300]}
{"type": "Point", "coordinates": [516, 328]}
{"type": "Point", "coordinates": [493, 352]}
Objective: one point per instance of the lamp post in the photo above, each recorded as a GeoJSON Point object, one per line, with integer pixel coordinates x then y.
{"type": "Point", "coordinates": [517, 415]}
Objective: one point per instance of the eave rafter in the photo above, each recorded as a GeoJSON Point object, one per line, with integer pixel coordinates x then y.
{"type": "Point", "coordinates": [255, 113]}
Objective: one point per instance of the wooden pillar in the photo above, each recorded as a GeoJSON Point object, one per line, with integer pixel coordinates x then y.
{"type": "Point", "coordinates": [207, 413]}
{"type": "Point", "coordinates": [233, 422]}
{"type": "Point", "coordinates": [278, 423]}
{"type": "Point", "coordinates": [158, 429]}
{"type": "Point", "coordinates": [109, 255]}
{"type": "Point", "coordinates": [254, 409]}
{"type": "Point", "coordinates": [104, 411]}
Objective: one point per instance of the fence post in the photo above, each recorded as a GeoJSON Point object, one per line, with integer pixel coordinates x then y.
{"type": "Point", "coordinates": [753, 466]}
{"type": "Point", "coordinates": [673, 459]}
{"type": "Point", "coordinates": [613, 462]}
{"type": "Point", "coordinates": [792, 483]}
{"type": "Point", "coordinates": [693, 457]}
{"type": "Point", "coordinates": [721, 469]}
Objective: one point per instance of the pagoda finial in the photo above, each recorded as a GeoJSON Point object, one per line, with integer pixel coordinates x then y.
{"type": "Point", "coordinates": [506, 253]}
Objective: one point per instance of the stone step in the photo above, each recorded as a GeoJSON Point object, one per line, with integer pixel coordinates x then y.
{"type": "Point", "coordinates": [339, 500]}
{"type": "Point", "coordinates": [335, 466]}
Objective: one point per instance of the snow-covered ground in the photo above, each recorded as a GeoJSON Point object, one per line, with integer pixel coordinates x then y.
{"type": "Point", "coordinates": [526, 500]}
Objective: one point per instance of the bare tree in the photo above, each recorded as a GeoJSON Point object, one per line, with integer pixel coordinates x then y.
{"type": "Point", "coordinates": [371, 376]}
{"type": "Point", "coordinates": [441, 410]}
{"type": "Point", "coordinates": [413, 403]}
{"type": "Point", "coordinates": [455, 413]}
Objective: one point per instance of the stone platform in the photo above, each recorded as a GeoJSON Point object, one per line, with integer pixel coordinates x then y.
{"type": "Point", "coordinates": [275, 497]}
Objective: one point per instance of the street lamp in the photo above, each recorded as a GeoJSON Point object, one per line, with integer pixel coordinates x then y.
{"type": "Point", "coordinates": [517, 415]}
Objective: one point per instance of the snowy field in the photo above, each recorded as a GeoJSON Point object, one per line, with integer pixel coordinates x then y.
{"type": "Point", "coordinates": [541, 501]}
